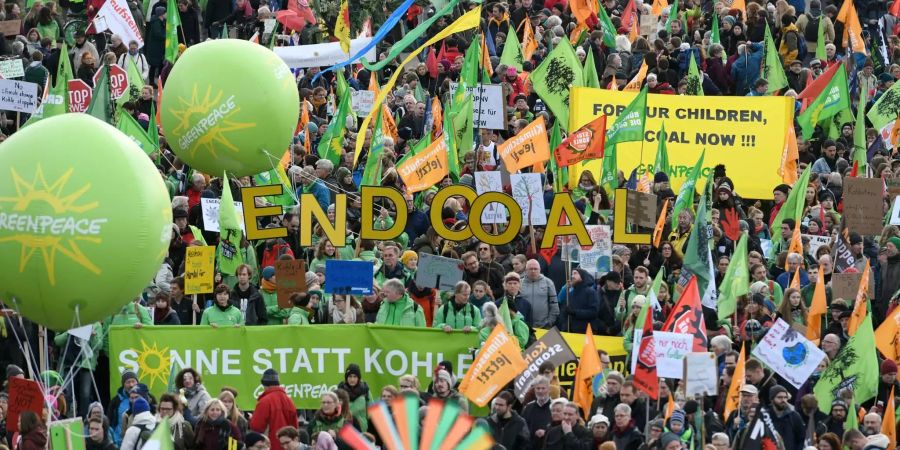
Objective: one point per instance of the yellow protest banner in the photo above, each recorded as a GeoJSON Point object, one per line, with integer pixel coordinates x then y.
{"type": "Point", "coordinates": [198, 270]}
{"type": "Point", "coordinates": [527, 148]}
{"type": "Point", "coordinates": [498, 362]}
{"type": "Point", "coordinates": [746, 134]}
{"type": "Point", "coordinates": [427, 169]}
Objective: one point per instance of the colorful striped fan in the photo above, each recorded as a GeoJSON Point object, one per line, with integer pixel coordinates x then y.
{"type": "Point", "coordinates": [444, 427]}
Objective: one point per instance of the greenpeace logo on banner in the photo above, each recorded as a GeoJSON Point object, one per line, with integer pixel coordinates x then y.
{"type": "Point", "coordinates": [211, 120]}
{"type": "Point", "coordinates": [56, 226]}
{"type": "Point", "coordinates": [215, 121]}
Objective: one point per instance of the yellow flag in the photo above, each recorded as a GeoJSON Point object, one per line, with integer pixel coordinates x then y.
{"type": "Point", "coordinates": [861, 308]}
{"type": "Point", "coordinates": [426, 169]}
{"type": "Point", "coordinates": [465, 22]}
{"type": "Point", "coordinates": [816, 310]}
{"type": "Point", "coordinates": [737, 382]}
{"type": "Point", "coordinates": [497, 363]}
{"type": "Point", "coordinates": [635, 84]}
{"type": "Point", "coordinates": [342, 26]}
{"type": "Point", "coordinates": [527, 148]}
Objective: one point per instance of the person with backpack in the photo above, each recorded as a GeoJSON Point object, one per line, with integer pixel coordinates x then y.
{"type": "Point", "coordinates": [459, 314]}
{"type": "Point", "coordinates": [790, 47]}
{"type": "Point", "coordinates": [808, 24]}
{"type": "Point", "coordinates": [142, 426]}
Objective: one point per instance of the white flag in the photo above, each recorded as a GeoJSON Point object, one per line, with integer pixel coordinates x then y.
{"type": "Point", "coordinates": [116, 17]}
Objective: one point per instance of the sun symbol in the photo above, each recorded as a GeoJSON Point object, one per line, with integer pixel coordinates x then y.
{"type": "Point", "coordinates": [39, 190]}
{"type": "Point", "coordinates": [153, 364]}
{"type": "Point", "coordinates": [196, 109]}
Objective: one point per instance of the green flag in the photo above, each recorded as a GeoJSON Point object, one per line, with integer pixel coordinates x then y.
{"type": "Point", "coordinates": [459, 128]}
{"type": "Point", "coordinates": [277, 176]}
{"type": "Point", "coordinates": [341, 85]}
{"type": "Point", "coordinates": [859, 137]}
{"type": "Point", "coordinates": [661, 163]}
{"type": "Point", "coordinates": [471, 64]}
{"type": "Point", "coordinates": [228, 252]}
{"type": "Point", "coordinates": [773, 69]}
{"type": "Point", "coordinates": [629, 126]}
{"type": "Point", "coordinates": [161, 439]}
{"type": "Point", "coordinates": [420, 94]}
{"type": "Point", "coordinates": [126, 124]}
{"type": "Point", "coordinates": [820, 41]}
{"type": "Point", "coordinates": [372, 172]}
{"type": "Point", "coordinates": [830, 101]}
{"type": "Point", "coordinates": [685, 199]}
{"type": "Point", "coordinates": [153, 129]}
{"type": "Point", "coordinates": [697, 259]}
{"type": "Point", "coordinates": [714, 37]}
{"type": "Point", "coordinates": [609, 30]}
{"type": "Point", "coordinates": [331, 146]}
{"type": "Point", "coordinates": [609, 178]}
{"type": "Point", "coordinates": [560, 174]}
{"type": "Point", "coordinates": [57, 101]}
{"type": "Point", "coordinates": [135, 83]}
{"type": "Point", "coordinates": [101, 105]}
{"type": "Point", "coordinates": [793, 206]}
{"type": "Point", "coordinates": [506, 317]}
{"type": "Point", "coordinates": [885, 109]}
{"type": "Point", "coordinates": [673, 15]}
{"type": "Point", "coordinates": [855, 367]}
{"type": "Point", "coordinates": [591, 79]}
{"type": "Point", "coordinates": [512, 50]}
{"type": "Point", "coordinates": [736, 282]}
{"type": "Point", "coordinates": [553, 79]}
{"type": "Point", "coordinates": [694, 77]}
{"type": "Point", "coordinates": [173, 21]}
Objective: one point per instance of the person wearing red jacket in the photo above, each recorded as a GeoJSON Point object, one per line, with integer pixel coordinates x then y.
{"type": "Point", "coordinates": [274, 409]}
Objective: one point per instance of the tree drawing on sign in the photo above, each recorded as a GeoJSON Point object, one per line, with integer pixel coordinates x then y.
{"type": "Point", "coordinates": [525, 190]}
{"type": "Point", "coordinates": [889, 104]}
{"type": "Point", "coordinates": [835, 371]}
{"type": "Point", "coordinates": [693, 85]}
{"type": "Point", "coordinates": [484, 182]}
{"type": "Point", "coordinates": [559, 78]}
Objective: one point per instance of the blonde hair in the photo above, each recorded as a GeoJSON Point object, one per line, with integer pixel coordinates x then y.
{"type": "Point", "coordinates": [213, 402]}
{"type": "Point", "coordinates": [235, 413]}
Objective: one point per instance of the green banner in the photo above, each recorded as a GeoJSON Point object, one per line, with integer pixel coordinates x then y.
{"type": "Point", "coordinates": [309, 359]}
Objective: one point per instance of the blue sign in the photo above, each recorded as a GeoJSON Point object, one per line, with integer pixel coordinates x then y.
{"type": "Point", "coordinates": [349, 277]}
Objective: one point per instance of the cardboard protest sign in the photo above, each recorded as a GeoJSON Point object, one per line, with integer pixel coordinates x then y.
{"type": "Point", "coordinates": [700, 373]}
{"type": "Point", "coordinates": [789, 353]}
{"type": "Point", "coordinates": [845, 285]}
{"type": "Point", "coordinates": [648, 24]}
{"type": "Point", "coordinates": [550, 347]}
{"type": "Point", "coordinates": [19, 96]}
{"type": "Point", "coordinates": [67, 434]}
{"type": "Point", "coordinates": [893, 187]}
{"type": "Point", "coordinates": [670, 350]}
{"type": "Point", "coordinates": [641, 210]}
{"type": "Point", "coordinates": [528, 191]}
{"type": "Point", "coordinates": [862, 205]}
{"type": "Point", "coordinates": [491, 181]}
{"type": "Point", "coordinates": [12, 68]}
{"type": "Point", "coordinates": [24, 395]}
{"type": "Point", "coordinates": [496, 364]}
{"type": "Point", "coordinates": [290, 278]}
{"type": "Point", "coordinates": [349, 277]}
{"type": "Point", "coordinates": [438, 272]}
{"type": "Point", "coordinates": [11, 27]}
{"type": "Point", "coordinates": [199, 269]}
{"type": "Point", "coordinates": [210, 209]}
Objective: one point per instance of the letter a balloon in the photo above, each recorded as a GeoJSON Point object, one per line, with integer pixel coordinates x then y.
{"type": "Point", "coordinates": [85, 221]}
{"type": "Point", "coordinates": [230, 106]}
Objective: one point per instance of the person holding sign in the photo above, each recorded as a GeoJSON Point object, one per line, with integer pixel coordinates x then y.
{"type": "Point", "coordinates": [222, 313]}
{"type": "Point", "coordinates": [398, 309]}
{"type": "Point", "coordinates": [459, 314]}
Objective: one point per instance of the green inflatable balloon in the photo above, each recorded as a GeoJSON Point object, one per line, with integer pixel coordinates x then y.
{"type": "Point", "coordinates": [85, 221]}
{"type": "Point", "coordinates": [226, 103]}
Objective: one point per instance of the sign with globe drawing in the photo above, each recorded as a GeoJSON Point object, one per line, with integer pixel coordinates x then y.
{"type": "Point", "coordinates": [788, 352]}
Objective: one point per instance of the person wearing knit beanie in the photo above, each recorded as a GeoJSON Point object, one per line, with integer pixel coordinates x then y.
{"type": "Point", "coordinates": [270, 378]}
{"type": "Point", "coordinates": [677, 418]}
{"type": "Point", "coordinates": [409, 259]}
{"type": "Point", "coordinates": [140, 405]}
{"type": "Point", "coordinates": [670, 441]}
{"type": "Point", "coordinates": [888, 367]}
{"type": "Point", "coordinates": [895, 241]}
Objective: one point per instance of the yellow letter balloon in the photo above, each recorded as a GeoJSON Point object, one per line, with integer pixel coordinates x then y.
{"type": "Point", "coordinates": [85, 221]}
{"type": "Point", "coordinates": [226, 104]}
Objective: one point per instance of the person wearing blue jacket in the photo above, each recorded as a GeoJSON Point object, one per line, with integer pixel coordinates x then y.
{"type": "Point", "coordinates": [583, 306]}
{"type": "Point", "coordinates": [311, 184]}
{"type": "Point", "coordinates": [745, 70]}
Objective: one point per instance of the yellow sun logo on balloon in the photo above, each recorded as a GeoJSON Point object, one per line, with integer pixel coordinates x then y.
{"type": "Point", "coordinates": [153, 364]}
{"type": "Point", "coordinates": [32, 234]}
{"type": "Point", "coordinates": [204, 121]}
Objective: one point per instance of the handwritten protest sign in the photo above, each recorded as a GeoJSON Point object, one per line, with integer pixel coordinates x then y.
{"type": "Point", "coordinates": [438, 272]}
{"type": "Point", "coordinates": [290, 278]}
{"type": "Point", "coordinates": [815, 242]}
{"type": "Point", "coordinates": [527, 191]}
{"type": "Point", "coordinates": [199, 270]}
{"type": "Point", "coordinates": [10, 27]}
{"type": "Point", "coordinates": [24, 395]}
{"type": "Point", "coordinates": [895, 212]}
{"type": "Point", "coordinates": [490, 182]}
{"type": "Point", "coordinates": [845, 285]}
{"type": "Point", "coordinates": [210, 209]}
{"type": "Point", "coordinates": [670, 350]}
{"type": "Point", "coordinates": [496, 364]}
{"type": "Point", "coordinates": [67, 434]}
{"type": "Point", "coordinates": [552, 348]}
{"type": "Point", "coordinates": [641, 210]}
{"type": "Point", "coordinates": [862, 205]}
{"type": "Point", "coordinates": [789, 353]}
{"type": "Point", "coordinates": [488, 106]}
{"type": "Point", "coordinates": [19, 96]}
{"type": "Point", "coordinates": [362, 102]}
{"type": "Point", "coordinates": [597, 259]}
{"type": "Point", "coordinates": [349, 277]}
{"type": "Point", "coordinates": [12, 68]}
{"type": "Point", "coordinates": [700, 373]}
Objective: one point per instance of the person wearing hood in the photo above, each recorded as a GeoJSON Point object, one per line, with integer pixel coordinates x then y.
{"type": "Point", "coordinates": [828, 162]}
{"type": "Point", "coordinates": [678, 426]}
{"type": "Point", "coordinates": [610, 291]}
{"type": "Point", "coordinates": [119, 404]}
{"type": "Point", "coordinates": [163, 314]}
{"type": "Point", "coordinates": [507, 426]}
{"type": "Point", "coordinates": [360, 397]}
{"type": "Point", "coordinates": [190, 385]}
{"type": "Point", "coordinates": [299, 314]}
{"type": "Point", "coordinates": [581, 303]}
{"type": "Point", "coordinates": [97, 437]}
{"type": "Point", "coordinates": [214, 429]}
{"type": "Point", "coordinates": [443, 389]}
{"type": "Point", "coordinates": [181, 430]}
{"type": "Point", "coordinates": [458, 314]}
{"type": "Point", "coordinates": [274, 409]}
{"type": "Point", "coordinates": [32, 432]}
{"type": "Point", "coordinates": [397, 308]}
{"type": "Point", "coordinates": [787, 421]}
{"type": "Point", "coordinates": [142, 425]}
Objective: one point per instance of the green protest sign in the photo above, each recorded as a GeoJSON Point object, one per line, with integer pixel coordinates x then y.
{"type": "Point", "coordinates": [309, 359]}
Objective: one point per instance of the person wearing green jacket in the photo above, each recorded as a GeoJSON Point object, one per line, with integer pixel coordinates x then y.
{"type": "Point", "coordinates": [359, 394]}
{"type": "Point", "coordinates": [131, 314]}
{"type": "Point", "coordinates": [459, 314]}
{"type": "Point", "coordinates": [275, 314]}
{"type": "Point", "coordinates": [222, 313]}
{"type": "Point", "coordinates": [398, 309]}
{"type": "Point", "coordinates": [80, 356]}
{"type": "Point", "coordinates": [300, 312]}
{"type": "Point", "coordinates": [492, 318]}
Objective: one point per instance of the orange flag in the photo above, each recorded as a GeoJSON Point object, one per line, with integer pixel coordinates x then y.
{"type": "Point", "coordinates": [613, 84]}
{"type": "Point", "coordinates": [789, 158]}
{"type": "Point", "coordinates": [425, 169]}
{"type": "Point", "coordinates": [529, 43]}
{"type": "Point", "coordinates": [670, 408]}
{"type": "Point", "coordinates": [852, 29]}
{"type": "Point", "coordinates": [887, 336]}
{"type": "Point", "coordinates": [437, 114]}
{"type": "Point", "coordinates": [388, 124]}
{"type": "Point", "coordinates": [585, 143]}
{"type": "Point", "coordinates": [816, 310]}
{"type": "Point", "coordinates": [737, 382]}
{"type": "Point", "coordinates": [889, 424]}
{"type": "Point", "coordinates": [583, 9]}
{"type": "Point", "coordinates": [576, 33]}
{"type": "Point", "coordinates": [486, 57]}
{"type": "Point", "coordinates": [660, 224]}
{"type": "Point", "coordinates": [527, 148]}
{"type": "Point", "coordinates": [742, 6]}
{"type": "Point", "coordinates": [860, 310]}
{"type": "Point", "coordinates": [588, 366]}
{"type": "Point", "coordinates": [497, 363]}
{"type": "Point", "coordinates": [658, 7]}
{"type": "Point", "coordinates": [635, 84]}
{"type": "Point", "coordinates": [795, 281]}
{"type": "Point", "coordinates": [796, 245]}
